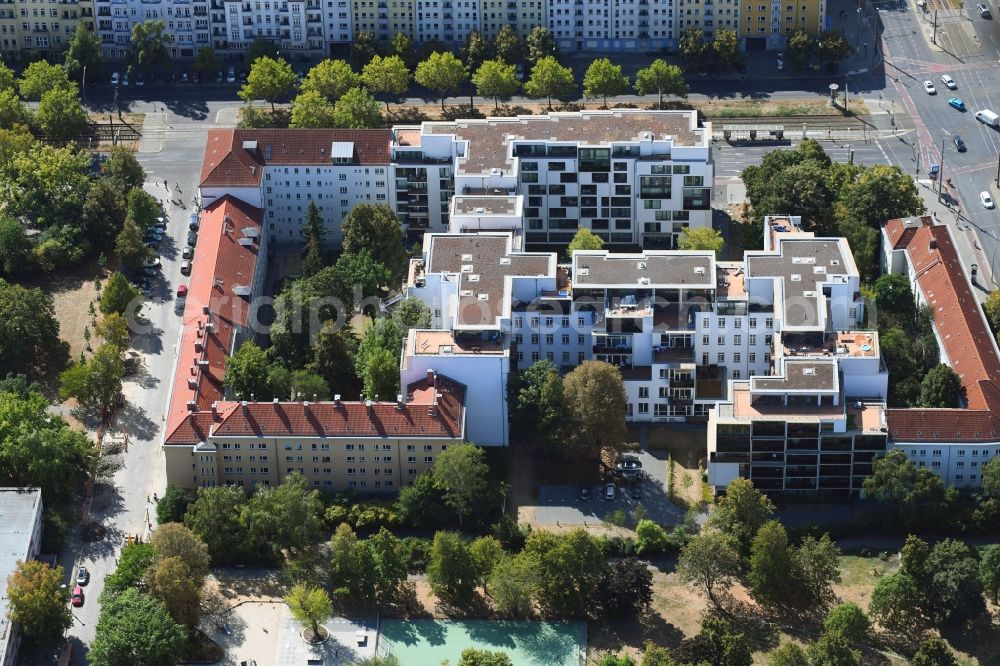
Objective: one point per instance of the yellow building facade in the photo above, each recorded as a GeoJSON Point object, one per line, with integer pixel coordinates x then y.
{"type": "Point", "coordinates": [768, 25]}
{"type": "Point", "coordinates": [40, 28]}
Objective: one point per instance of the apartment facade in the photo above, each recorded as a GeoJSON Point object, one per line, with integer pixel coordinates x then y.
{"type": "Point", "coordinates": [643, 177]}
{"type": "Point", "coordinates": [623, 25]}
{"type": "Point", "coordinates": [813, 418]}
{"type": "Point", "coordinates": [186, 21]}
{"type": "Point", "coordinates": [304, 27]}
{"type": "Point", "coordinates": [767, 24]}
{"type": "Point", "coordinates": [952, 443]}
{"type": "Point", "coordinates": [41, 29]}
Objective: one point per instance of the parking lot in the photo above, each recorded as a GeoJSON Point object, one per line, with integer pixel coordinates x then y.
{"type": "Point", "coordinates": [562, 505]}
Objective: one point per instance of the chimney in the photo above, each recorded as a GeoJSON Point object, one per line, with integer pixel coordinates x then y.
{"type": "Point", "coordinates": [215, 408]}
{"type": "Point", "coordinates": [192, 406]}
{"type": "Point", "coordinates": [336, 400]}
{"type": "Point", "coordinates": [368, 404]}
{"type": "Point", "coordinates": [275, 401]}
{"type": "Point", "coordinates": [399, 402]}
{"type": "Point", "coordinates": [932, 245]}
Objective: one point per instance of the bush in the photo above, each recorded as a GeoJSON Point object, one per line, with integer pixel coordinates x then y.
{"type": "Point", "coordinates": [570, 106]}
{"type": "Point", "coordinates": [618, 546]}
{"type": "Point", "coordinates": [363, 517]}
{"type": "Point", "coordinates": [416, 552]}
{"type": "Point", "coordinates": [407, 114]}
{"type": "Point", "coordinates": [461, 112]}
{"type": "Point", "coordinates": [511, 535]}
{"type": "Point", "coordinates": [507, 111]}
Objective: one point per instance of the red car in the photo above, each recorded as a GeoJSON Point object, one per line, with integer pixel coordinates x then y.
{"type": "Point", "coordinates": [77, 596]}
{"type": "Point", "coordinates": [182, 291]}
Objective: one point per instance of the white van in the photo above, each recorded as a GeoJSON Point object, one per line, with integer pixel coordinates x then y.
{"type": "Point", "coordinates": [231, 74]}
{"type": "Point", "coordinates": [987, 117]}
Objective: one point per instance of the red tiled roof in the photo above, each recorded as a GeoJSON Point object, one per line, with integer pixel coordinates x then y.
{"type": "Point", "coordinates": [968, 344]}
{"type": "Point", "coordinates": [415, 418]}
{"type": "Point", "coordinates": [228, 163]}
{"type": "Point", "coordinates": [196, 426]}
{"type": "Point", "coordinates": [221, 263]}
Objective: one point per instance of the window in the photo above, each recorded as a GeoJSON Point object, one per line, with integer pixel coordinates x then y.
{"type": "Point", "coordinates": [737, 339]}
{"type": "Point", "coordinates": [736, 357]}
{"type": "Point", "coordinates": [722, 341]}
{"type": "Point", "coordinates": [752, 357]}
{"type": "Point", "coordinates": [644, 408]}
{"type": "Point", "coordinates": [721, 357]}
{"type": "Point", "coordinates": [643, 391]}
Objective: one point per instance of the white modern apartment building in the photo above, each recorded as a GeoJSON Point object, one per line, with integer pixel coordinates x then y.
{"type": "Point", "coordinates": [186, 21]}
{"type": "Point", "coordinates": [953, 443]}
{"type": "Point", "coordinates": [632, 177]}
{"type": "Point", "coordinates": [813, 418]}
{"type": "Point", "coordinates": [623, 25]}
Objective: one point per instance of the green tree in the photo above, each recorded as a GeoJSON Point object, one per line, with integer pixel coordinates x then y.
{"type": "Point", "coordinates": [135, 630]}
{"type": "Point", "coordinates": [311, 109]}
{"type": "Point", "coordinates": [661, 78]}
{"type": "Point", "coordinates": [103, 215]}
{"type": "Point", "coordinates": [726, 47]}
{"type": "Point", "coordinates": [991, 308]}
{"type": "Point", "coordinates": [176, 540]}
{"type": "Point", "coordinates": [381, 374]}
{"type": "Point", "coordinates": [729, 647]}
{"type": "Point", "coordinates": [403, 48]}
{"type": "Point", "coordinates": [550, 79]}
{"type": "Point", "coordinates": [313, 233]}
{"type": "Point", "coordinates": [571, 567]}
{"type": "Point", "coordinates": [896, 603]}
{"type": "Point", "coordinates": [96, 382]}
{"type": "Point", "coordinates": [28, 327]}
{"type": "Point", "coordinates": [149, 46]}
{"type": "Point", "coordinates": [540, 44]}
{"type": "Point", "coordinates": [117, 294]}
{"type": "Point", "coordinates": [173, 505]}
{"type": "Point", "coordinates": [626, 589]}
{"type": "Point", "coordinates": [83, 50]}
{"type": "Point", "coordinates": [41, 77]}
{"type": "Point", "coordinates": [206, 61]}
{"type": "Point", "coordinates": [955, 591]}
{"type": "Point", "coordinates": [442, 73]}
{"type": "Point", "coordinates": [387, 76]}
{"type": "Point", "coordinates": [60, 116]}
{"type": "Point", "coordinates": [849, 621]}
{"type": "Point", "coordinates": [462, 474]}
{"type": "Point", "coordinates": [246, 373]}
{"type": "Point", "coordinates": [410, 313]}
{"type": "Point", "coordinates": [331, 79]}
{"type": "Point", "coordinates": [357, 109]}
{"type": "Point", "coordinates": [832, 48]}
{"type": "Point", "coordinates": [496, 79]}
{"type": "Point", "coordinates": [800, 50]}
{"type": "Point", "coordinates": [349, 578]}
{"type": "Point", "coordinates": [133, 563]}
{"type": "Point", "coordinates": [933, 651]}
{"type": "Point", "coordinates": [693, 48]}
{"type": "Point", "coordinates": [37, 601]}
{"type": "Point", "coordinates": [991, 477]}
{"type": "Point", "coordinates": [15, 247]}
{"type": "Point", "coordinates": [284, 518]}
{"type": "Point", "coordinates": [473, 54]}
{"type": "Point", "coordinates": [270, 79]}
{"type": "Point", "coordinates": [701, 238]}
{"type": "Point", "coordinates": [421, 503]}
{"type": "Point", "coordinates": [539, 405]}
{"type": "Point", "coordinates": [8, 80]}
{"type": "Point", "coordinates": [129, 246]}
{"type": "Point", "coordinates": [771, 574]}
{"type": "Point", "coordinates": [310, 606]}
{"type": "Point", "coordinates": [789, 654]}
{"type": "Point", "coordinates": [709, 562]}
{"type": "Point", "coordinates": [507, 46]}
{"type": "Point", "coordinates": [389, 566]}
{"type": "Point", "coordinates": [584, 239]}
{"type": "Point", "coordinates": [833, 650]}
{"type": "Point", "coordinates": [909, 495]}
{"type": "Point", "coordinates": [123, 170]}
{"type": "Point", "coordinates": [880, 193]}
{"type": "Point", "coordinates": [378, 229]}
{"type": "Point", "coordinates": [451, 571]}
{"type": "Point", "coordinates": [741, 512]}
{"type": "Point", "coordinates": [289, 384]}
{"type": "Point", "coordinates": [594, 396]}
{"type": "Point", "coordinates": [514, 583]}
{"type": "Point", "coordinates": [333, 360]}
{"type": "Point", "coordinates": [215, 517]}
{"type": "Point", "coordinates": [12, 111]}
{"type": "Point", "coordinates": [476, 657]}
{"type": "Point", "coordinates": [262, 47]}
{"type": "Point", "coordinates": [142, 208]}
{"type": "Point", "coordinates": [817, 567]}
{"type": "Point", "coordinates": [113, 329]}
{"type": "Point", "coordinates": [604, 78]}
{"type": "Point", "coordinates": [169, 580]}
{"type": "Point", "coordinates": [485, 551]}
{"type": "Point", "coordinates": [46, 185]}
{"type": "Point", "coordinates": [941, 387]}
{"type": "Point", "coordinates": [364, 47]}
{"type": "Point", "coordinates": [650, 538]}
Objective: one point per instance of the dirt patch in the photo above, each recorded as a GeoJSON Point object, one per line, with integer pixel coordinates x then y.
{"type": "Point", "coordinates": [72, 292]}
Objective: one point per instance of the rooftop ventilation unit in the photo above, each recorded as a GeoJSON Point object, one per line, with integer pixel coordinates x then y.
{"type": "Point", "coordinates": [241, 290]}
{"type": "Point", "coordinates": [809, 371]}
{"type": "Point", "coordinates": [466, 268]}
{"type": "Point", "coordinates": [795, 277]}
{"type": "Point", "coordinates": [644, 281]}
{"type": "Point", "coordinates": [583, 272]}
{"type": "Point", "coordinates": [465, 292]}
{"type": "Point", "coordinates": [484, 297]}
{"type": "Point", "coordinates": [466, 257]}
{"type": "Point", "coordinates": [480, 211]}
{"type": "Point", "coordinates": [642, 265]}
{"type": "Point", "coordinates": [250, 145]}
{"type": "Point", "coordinates": [473, 278]}
{"type": "Point", "coordinates": [699, 270]}
{"type": "Point", "coordinates": [496, 172]}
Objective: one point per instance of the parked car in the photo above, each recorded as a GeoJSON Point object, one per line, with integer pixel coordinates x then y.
{"type": "Point", "coordinates": [186, 267]}
{"type": "Point", "coordinates": [192, 239]}
{"type": "Point", "coordinates": [219, 77]}
{"type": "Point", "coordinates": [139, 81]}
{"type": "Point", "coordinates": [182, 291]}
{"type": "Point", "coordinates": [150, 271]}
{"type": "Point", "coordinates": [609, 492]}
{"type": "Point", "coordinates": [184, 77]}
{"type": "Point", "coordinates": [115, 78]}
{"type": "Point", "coordinates": [984, 11]}
{"type": "Point", "coordinates": [949, 82]}
{"type": "Point", "coordinates": [82, 576]}
{"type": "Point", "coordinates": [125, 80]}
{"type": "Point", "coordinates": [187, 253]}
{"type": "Point", "coordinates": [77, 596]}
{"type": "Point", "coordinates": [986, 199]}
{"type": "Point", "coordinates": [585, 493]}
{"type": "Point", "coordinates": [929, 88]}
{"type": "Point", "coordinates": [636, 493]}
{"type": "Point", "coordinates": [959, 143]}
{"type": "Point", "coordinates": [161, 223]}
{"type": "Point", "coordinates": [956, 103]}
{"type": "Point", "coordinates": [193, 222]}
{"type": "Point", "coordinates": [152, 263]}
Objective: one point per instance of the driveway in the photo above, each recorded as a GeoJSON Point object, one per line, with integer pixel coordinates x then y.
{"type": "Point", "coordinates": [562, 506]}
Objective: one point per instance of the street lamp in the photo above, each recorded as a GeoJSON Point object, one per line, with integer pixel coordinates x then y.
{"type": "Point", "coordinates": [857, 34]}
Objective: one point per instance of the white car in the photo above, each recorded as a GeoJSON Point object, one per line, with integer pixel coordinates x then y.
{"type": "Point", "coordinates": [115, 78]}
{"type": "Point", "coordinates": [986, 199]}
{"type": "Point", "coordinates": [949, 82]}
{"type": "Point", "coordinates": [929, 87]}
{"type": "Point", "coordinates": [984, 10]}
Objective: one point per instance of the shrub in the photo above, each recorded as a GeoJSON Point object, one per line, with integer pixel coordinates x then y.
{"type": "Point", "coordinates": [507, 111]}
{"type": "Point", "coordinates": [461, 112]}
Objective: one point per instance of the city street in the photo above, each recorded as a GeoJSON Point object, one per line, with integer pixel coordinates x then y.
{"type": "Point", "coordinates": [171, 151]}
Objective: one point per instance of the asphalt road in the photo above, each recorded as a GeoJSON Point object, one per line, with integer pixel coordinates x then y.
{"type": "Point", "coordinates": [171, 150]}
